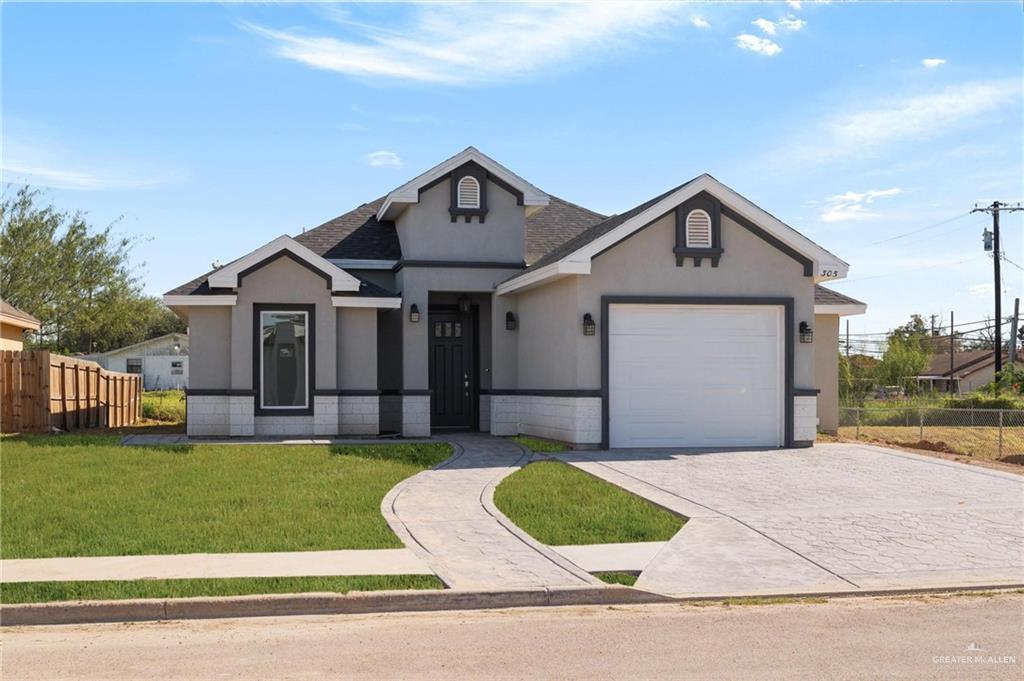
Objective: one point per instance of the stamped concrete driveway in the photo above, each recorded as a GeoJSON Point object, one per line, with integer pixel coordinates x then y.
{"type": "Point", "coordinates": [830, 518]}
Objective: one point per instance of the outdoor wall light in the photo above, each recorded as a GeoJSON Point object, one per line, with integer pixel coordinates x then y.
{"type": "Point", "coordinates": [463, 304]}
{"type": "Point", "coordinates": [414, 313]}
{"type": "Point", "coordinates": [510, 321]}
{"type": "Point", "coordinates": [589, 325]}
{"type": "Point", "coordinates": [806, 333]}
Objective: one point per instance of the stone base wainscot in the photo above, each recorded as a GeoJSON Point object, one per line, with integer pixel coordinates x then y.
{"type": "Point", "coordinates": [554, 415]}
{"type": "Point", "coordinates": [219, 415]}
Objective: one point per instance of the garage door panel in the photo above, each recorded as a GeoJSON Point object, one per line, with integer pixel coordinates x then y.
{"type": "Point", "coordinates": [696, 376]}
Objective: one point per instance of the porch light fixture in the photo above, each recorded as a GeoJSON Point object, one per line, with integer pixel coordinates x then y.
{"type": "Point", "coordinates": [414, 314]}
{"type": "Point", "coordinates": [806, 333]}
{"type": "Point", "coordinates": [510, 321]}
{"type": "Point", "coordinates": [589, 325]}
{"type": "Point", "coordinates": [463, 303]}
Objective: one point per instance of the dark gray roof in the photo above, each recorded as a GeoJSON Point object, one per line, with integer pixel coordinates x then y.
{"type": "Point", "coordinates": [356, 235]}
{"type": "Point", "coordinates": [555, 224]}
{"type": "Point", "coordinates": [595, 231]}
{"type": "Point", "coordinates": [826, 296]}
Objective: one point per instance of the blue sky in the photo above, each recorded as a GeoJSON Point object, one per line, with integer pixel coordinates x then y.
{"type": "Point", "coordinates": [213, 128]}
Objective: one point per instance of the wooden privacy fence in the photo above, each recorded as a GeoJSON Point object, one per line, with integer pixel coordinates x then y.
{"type": "Point", "coordinates": [40, 391]}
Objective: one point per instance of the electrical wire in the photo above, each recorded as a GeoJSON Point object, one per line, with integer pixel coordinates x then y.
{"type": "Point", "coordinates": [893, 274]}
{"type": "Point", "coordinates": [919, 230]}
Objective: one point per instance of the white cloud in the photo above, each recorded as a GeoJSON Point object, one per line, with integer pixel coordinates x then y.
{"type": "Point", "coordinates": [700, 22]}
{"type": "Point", "coordinates": [853, 206]}
{"type": "Point", "coordinates": [469, 43]}
{"type": "Point", "coordinates": [766, 26]}
{"type": "Point", "coordinates": [745, 41]}
{"type": "Point", "coordinates": [985, 290]}
{"type": "Point", "coordinates": [863, 132]}
{"type": "Point", "coordinates": [791, 24]}
{"type": "Point", "coordinates": [795, 4]}
{"type": "Point", "coordinates": [378, 159]}
{"type": "Point", "coordinates": [932, 62]}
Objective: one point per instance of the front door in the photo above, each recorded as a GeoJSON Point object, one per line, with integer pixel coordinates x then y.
{"type": "Point", "coordinates": [452, 378]}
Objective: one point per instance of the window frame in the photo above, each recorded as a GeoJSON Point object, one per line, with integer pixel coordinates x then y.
{"type": "Point", "coordinates": [128, 365]}
{"type": "Point", "coordinates": [258, 310]}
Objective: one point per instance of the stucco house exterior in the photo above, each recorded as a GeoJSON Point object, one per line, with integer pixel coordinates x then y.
{"type": "Point", "coordinates": [971, 370]}
{"type": "Point", "coordinates": [468, 298]}
{"type": "Point", "coordinates": [162, 361]}
{"type": "Point", "coordinates": [13, 325]}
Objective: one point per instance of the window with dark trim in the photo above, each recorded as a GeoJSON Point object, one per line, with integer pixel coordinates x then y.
{"type": "Point", "coordinates": [284, 359]}
{"type": "Point", "coordinates": [699, 230]}
{"type": "Point", "coordinates": [133, 365]}
{"type": "Point", "coordinates": [468, 192]}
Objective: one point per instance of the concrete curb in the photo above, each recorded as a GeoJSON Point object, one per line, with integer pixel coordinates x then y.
{"type": "Point", "coordinates": [80, 612]}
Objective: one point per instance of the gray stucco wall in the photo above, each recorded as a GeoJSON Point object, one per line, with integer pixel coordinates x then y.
{"type": "Point", "coordinates": [283, 281]}
{"type": "Point", "coordinates": [210, 347]}
{"type": "Point", "coordinates": [554, 353]}
{"type": "Point", "coordinates": [357, 348]}
{"type": "Point", "coordinates": [417, 284]}
{"type": "Point", "coordinates": [427, 232]}
{"type": "Point", "coordinates": [826, 370]}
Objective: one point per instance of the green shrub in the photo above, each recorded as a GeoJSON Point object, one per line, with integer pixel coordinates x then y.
{"type": "Point", "coordinates": [981, 400]}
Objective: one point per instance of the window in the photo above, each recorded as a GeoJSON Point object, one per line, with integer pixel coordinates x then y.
{"type": "Point", "coordinates": [469, 193]}
{"type": "Point", "coordinates": [698, 229]}
{"type": "Point", "coordinates": [178, 367]}
{"type": "Point", "coordinates": [284, 365]}
{"type": "Point", "coordinates": [133, 365]}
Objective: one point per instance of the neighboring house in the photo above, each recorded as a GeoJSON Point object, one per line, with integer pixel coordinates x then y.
{"type": "Point", "coordinates": [162, 361]}
{"type": "Point", "coordinates": [469, 298]}
{"type": "Point", "coordinates": [972, 369]}
{"type": "Point", "coordinates": [13, 325]}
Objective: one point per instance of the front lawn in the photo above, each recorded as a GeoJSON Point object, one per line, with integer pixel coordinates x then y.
{"type": "Point", "coordinates": [557, 504]}
{"type": "Point", "coordinates": [87, 496]}
{"type": "Point", "coordinates": [41, 592]}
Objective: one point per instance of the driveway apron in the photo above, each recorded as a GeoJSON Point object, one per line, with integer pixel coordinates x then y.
{"type": "Point", "coordinates": [446, 516]}
{"type": "Point", "coordinates": [833, 517]}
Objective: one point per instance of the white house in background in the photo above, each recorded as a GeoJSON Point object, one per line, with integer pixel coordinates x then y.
{"type": "Point", "coordinates": [162, 361]}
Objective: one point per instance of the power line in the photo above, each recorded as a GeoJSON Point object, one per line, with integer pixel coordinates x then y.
{"type": "Point", "coordinates": [918, 269]}
{"type": "Point", "coordinates": [919, 230]}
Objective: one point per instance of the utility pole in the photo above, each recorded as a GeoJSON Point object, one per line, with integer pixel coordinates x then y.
{"type": "Point", "coordinates": [952, 351]}
{"type": "Point", "coordinates": [1013, 330]}
{"type": "Point", "coordinates": [997, 255]}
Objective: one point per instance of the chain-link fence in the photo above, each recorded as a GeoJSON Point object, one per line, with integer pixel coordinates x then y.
{"type": "Point", "coordinates": [984, 433]}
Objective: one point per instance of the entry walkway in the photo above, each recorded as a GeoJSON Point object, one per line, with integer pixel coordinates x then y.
{"type": "Point", "coordinates": [447, 517]}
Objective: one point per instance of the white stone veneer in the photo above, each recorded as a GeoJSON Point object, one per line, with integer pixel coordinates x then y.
{"type": "Point", "coordinates": [219, 415]}
{"type": "Point", "coordinates": [569, 419]}
{"type": "Point", "coordinates": [805, 418]}
{"type": "Point", "coordinates": [415, 415]}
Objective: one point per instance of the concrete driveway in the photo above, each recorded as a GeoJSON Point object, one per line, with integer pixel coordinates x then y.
{"type": "Point", "coordinates": [830, 518]}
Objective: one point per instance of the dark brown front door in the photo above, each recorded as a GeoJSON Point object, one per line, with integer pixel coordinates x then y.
{"type": "Point", "coordinates": [452, 380]}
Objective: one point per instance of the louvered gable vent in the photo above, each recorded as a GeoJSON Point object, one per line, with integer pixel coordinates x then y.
{"type": "Point", "coordinates": [698, 229]}
{"type": "Point", "coordinates": [469, 193]}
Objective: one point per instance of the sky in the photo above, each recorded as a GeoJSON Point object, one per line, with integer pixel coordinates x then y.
{"type": "Point", "coordinates": [209, 129]}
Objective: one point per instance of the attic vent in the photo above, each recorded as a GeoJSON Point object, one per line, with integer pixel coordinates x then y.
{"type": "Point", "coordinates": [698, 229]}
{"type": "Point", "coordinates": [469, 193]}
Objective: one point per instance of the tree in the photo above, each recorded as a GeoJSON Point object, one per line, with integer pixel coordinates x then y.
{"type": "Point", "coordinates": [79, 281]}
{"type": "Point", "coordinates": [905, 357]}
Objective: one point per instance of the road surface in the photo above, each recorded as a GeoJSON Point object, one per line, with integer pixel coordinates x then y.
{"type": "Point", "coordinates": [966, 636]}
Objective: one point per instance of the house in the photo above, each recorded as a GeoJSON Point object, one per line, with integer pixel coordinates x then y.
{"type": "Point", "coordinates": [468, 298]}
{"type": "Point", "coordinates": [972, 369]}
{"type": "Point", "coordinates": [162, 361]}
{"type": "Point", "coordinates": [13, 325]}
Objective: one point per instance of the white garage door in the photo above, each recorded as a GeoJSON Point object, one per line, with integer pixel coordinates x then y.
{"type": "Point", "coordinates": [695, 376]}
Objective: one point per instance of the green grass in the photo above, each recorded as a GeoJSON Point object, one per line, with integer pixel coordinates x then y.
{"type": "Point", "coordinates": [624, 578]}
{"type": "Point", "coordinates": [164, 405]}
{"type": "Point", "coordinates": [41, 592]}
{"type": "Point", "coordinates": [87, 496]}
{"type": "Point", "coordinates": [558, 504]}
{"type": "Point", "coordinates": [539, 445]}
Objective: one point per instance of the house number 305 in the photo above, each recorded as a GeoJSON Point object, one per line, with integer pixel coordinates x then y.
{"type": "Point", "coordinates": [830, 273]}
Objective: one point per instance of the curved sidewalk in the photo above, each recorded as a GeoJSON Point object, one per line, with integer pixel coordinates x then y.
{"type": "Point", "coordinates": [447, 517]}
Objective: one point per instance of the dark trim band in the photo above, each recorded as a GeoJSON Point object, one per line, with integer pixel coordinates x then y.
{"type": "Point", "coordinates": [219, 392]}
{"type": "Point", "coordinates": [805, 392]}
{"type": "Point", "coordinates": [284, 253]}
{"type": "Point", "coordinates": [473, 264]}
{"type": "Point", "coordinates": [543, 393]}
{"type": "Point", "coordinates": [420, 393]}
{"type": "Point", "coordinates": [345, 393]}
{"type": "Point", "coordinates": [785, 303]}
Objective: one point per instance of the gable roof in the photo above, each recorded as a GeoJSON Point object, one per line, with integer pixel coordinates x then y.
{"type": "Point", "coordinates": [827, 301]}
{"type": "Point", "coordinates": [965, 362]}
{"type": "Point", "coordinates": [574, 256]}
{"type": "Point", "coordinates": [409, 192]}
{"type": "Point", "coordinates": [355, 235]}
{"type": "Point", "coordinates": [177, 336]}
{"type": "Point", "coordinates": [15, 317]}
{"type": "Point", "coordinates": [229, 275]}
